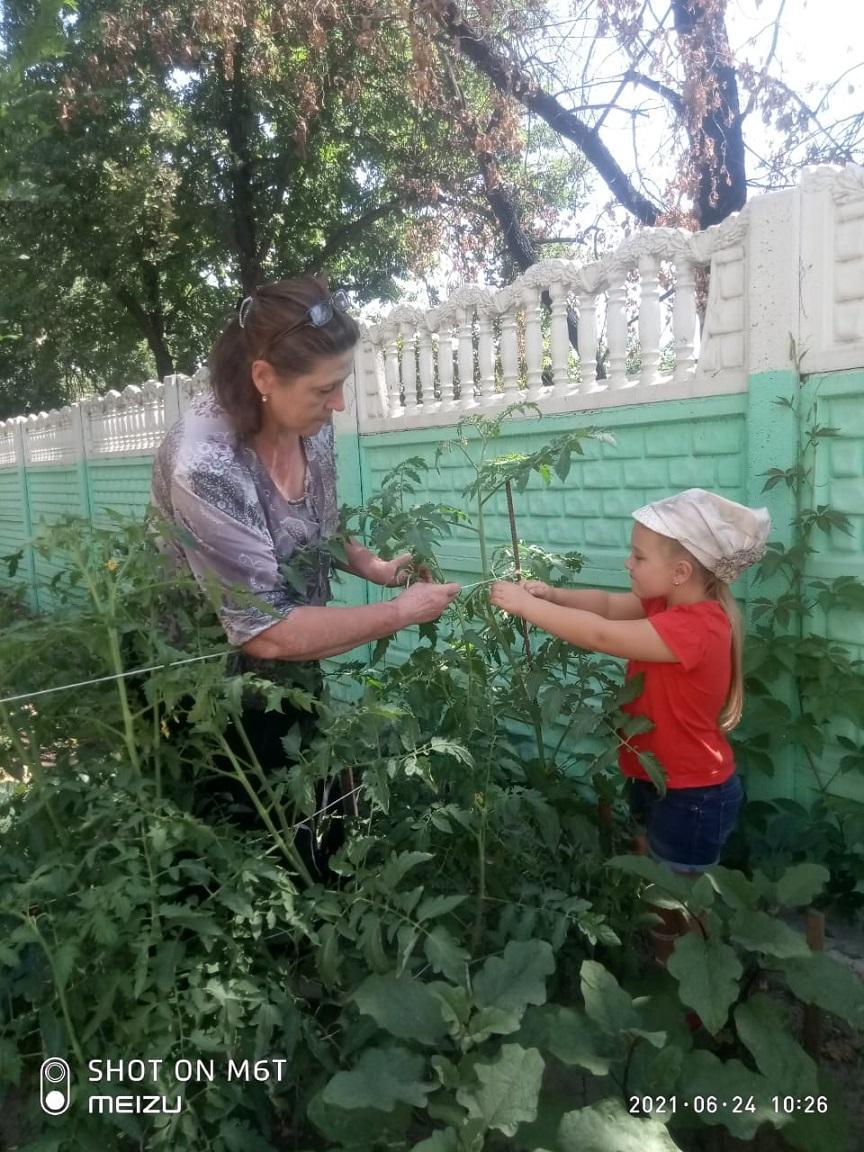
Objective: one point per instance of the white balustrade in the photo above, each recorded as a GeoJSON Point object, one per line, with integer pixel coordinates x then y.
{"type": "Point", "coordinates": [616, 334]}
{"type": "Point", "coordinates": [649, 318]}
{"type": "Point", "coordinates": [465, 359]}
{"type": "Point", "coordinates": [509, 354]}
{"type": "Point", "coordinates": [485, 348]}
{"type": "Point", "coordinates": [684, 321]}
{"type": "Point", "coordinates": [533, 344]}
{"type": "Point", "coordinates": [485, 359]}
{"type": "Point", "coordinates": [587, 312]}
{"type": "Point", "coordinates": [559, 340]}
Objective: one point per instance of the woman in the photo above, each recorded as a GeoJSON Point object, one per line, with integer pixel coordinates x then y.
{"type": "Point", "coordinates": [248, 478]}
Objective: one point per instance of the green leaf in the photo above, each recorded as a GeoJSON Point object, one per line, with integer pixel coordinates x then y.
{"type": "Point", "coordinates": [575, 1040]}
{"type": "Point", "coordinates": [508, 1090]}
{"type": "Point", "coordinates": [398, 865]}
{"type": "Point", "coordinates": [402, 1006]}
{"type": "Point", "coordinates": [606, 1003]}
{"type": "Point", "coordinates": [371, 942]}
{"type": "Point", "coordinates": [821, 980]}
{"type": "Point", "coordinates": [516, 978]}
{"type": "Point", "coordinates": [438, 906]}
{"type": "Point", "coordinates": [759, 932]}
{"type": "Point", "coordinates": [800, 884]}
{"type": "Point", "coordinates": [658, 874]}
{"type": "Point", "coordinates": [733, 887]}
{"type": "Point", "coordinates": [452, 748]}
{"type": "Point", "coordinates": [608, 1127]}
{"type": "Point", "coordinates": [779, 1057]}
{"type": "Point", "coordinates": [707, 972]}
{"type": "Point", "coordinates": [445, 955]}
{"type": "Point", "coordinates": [382, 1078]}
{"type": "Point", "coordinates": [444, 1140]}
{"type": "Point", "coordinates": [703, 1074]}
{"type": "Point", "coordinates": [493, 1021]}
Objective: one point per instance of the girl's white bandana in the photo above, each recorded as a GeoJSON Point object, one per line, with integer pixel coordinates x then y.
{"type": "Point", "coordinates": [724, 536]}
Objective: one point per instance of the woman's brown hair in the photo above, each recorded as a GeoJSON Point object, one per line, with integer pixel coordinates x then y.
{"type": "Point", "coordinates": [719, 590]}
{"type": "Point", "coordinates": [274, 330]}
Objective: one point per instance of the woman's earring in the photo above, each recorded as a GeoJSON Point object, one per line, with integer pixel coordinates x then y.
{"type": "Point", "coordinates": [263, 399]}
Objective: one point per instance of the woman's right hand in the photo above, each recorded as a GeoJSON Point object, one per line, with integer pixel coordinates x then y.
{"type": "Point", "coordinates": [539, 589]}
{"type": "Point", "coordinates": [424, 602]}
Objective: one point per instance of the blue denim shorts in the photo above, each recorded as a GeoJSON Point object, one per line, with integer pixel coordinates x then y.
{"type": "Point", "coordinates": [687, 827]}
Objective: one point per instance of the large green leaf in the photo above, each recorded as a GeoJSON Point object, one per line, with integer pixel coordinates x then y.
{"type": "Point", "coordinates": [517, 978]}
{"type": "Point", "coordinates": [508, 1090]}
{"type": "Point", "coordinates": [361, 1127]}
{"type": "Point", "coordinates": [606, 1002]}
{"type": "Point", "coordinates": [658, 874]}
{"type": "Point", "coordinates": [801, 883]}
{"type": "Point", "coordinates": [402, 1006]}
{"type": "Point", "coordinates": [779, 1057]}
{"type": "Point", "coordinates": [707, 972]}
{"type": "Point", "coordinates": [382, 1078]}
{"type": "Point", "coordinates": [608, 1127]}
{"type": "Point", "coordinates": [743, 1096]}
{"type": "Point", "coordinates": [830, 1131]}
{"type": "Point", "coordinates": [759, 932]}
{"type": "Point", "coordinates": [444, 1140]}
{"type": "Point", "coordinates": [734, 887]}
{"type": "Point", "coordinates": [819, 979]}
{"type": "Point", "coordinates": [576, 1040]}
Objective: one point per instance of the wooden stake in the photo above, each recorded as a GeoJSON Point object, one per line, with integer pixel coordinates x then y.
{"type": "Point", "coordinates": [812, 1013]}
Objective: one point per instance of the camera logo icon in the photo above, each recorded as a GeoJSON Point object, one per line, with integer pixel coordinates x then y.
{"type": "Point", "coordinates": [55, 1086]}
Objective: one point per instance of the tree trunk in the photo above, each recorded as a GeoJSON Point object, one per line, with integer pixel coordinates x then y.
{"type": "Point", "coordinates": [716, 139]}
{"type": "Point", "coordinates": [521, 247]}
{"type": "Point", "coordinates": [152, 327]}
{"type": "Point", "coordinates": [240, 129]}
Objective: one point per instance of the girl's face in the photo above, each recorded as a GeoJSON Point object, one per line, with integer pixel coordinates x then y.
{"type": "Point", "coordinates": [651, 563]}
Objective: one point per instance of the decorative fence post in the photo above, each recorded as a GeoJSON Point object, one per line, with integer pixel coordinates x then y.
{"type": "Point", "coordinates": [649, 318]}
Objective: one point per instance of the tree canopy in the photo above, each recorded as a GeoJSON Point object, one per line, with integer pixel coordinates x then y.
{"type": "Point", "coordinates": [159, 161]}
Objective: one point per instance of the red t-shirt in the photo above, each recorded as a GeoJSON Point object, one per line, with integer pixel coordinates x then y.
{"type": "Point", "coordinates": [683, 700]}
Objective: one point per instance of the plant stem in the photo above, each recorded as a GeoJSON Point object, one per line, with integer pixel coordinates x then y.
{"type": "Point", "coordinates": [288, 850]}
{"type": "Point", "coordinates": [517, 565]}
{"type": "Point", "coordinates": [61, 994]}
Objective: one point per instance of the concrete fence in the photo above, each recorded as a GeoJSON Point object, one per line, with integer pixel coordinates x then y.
{"type": "Point", "coordinates": [688, 404]}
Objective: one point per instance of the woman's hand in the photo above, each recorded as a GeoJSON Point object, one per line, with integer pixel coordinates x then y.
{"type": "Point", "coordinates": [512, 598]}
{"type": "Point", "coordinates": [539, 590]}
{"type": "Point", "coordinates": [394, 573]}
{"type": "Point", "coordinates": [424, 602]}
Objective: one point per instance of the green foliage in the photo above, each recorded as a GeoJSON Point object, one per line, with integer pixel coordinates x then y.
{"type": "Point", "coordinates": [476, 948]}
{"type": "Point", "coordinates": [804, 690]}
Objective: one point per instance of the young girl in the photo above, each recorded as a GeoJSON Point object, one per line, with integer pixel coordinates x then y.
{"type": "Point", "coordinates": [680, 628]}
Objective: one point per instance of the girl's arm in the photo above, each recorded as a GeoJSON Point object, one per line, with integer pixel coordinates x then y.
{"type": "Point", "coordinates": [612, 605]}
{"type": "Point", "coordinates": [630, 639]}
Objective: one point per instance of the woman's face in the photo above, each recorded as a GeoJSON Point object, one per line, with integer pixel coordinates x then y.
{"type": "Point", "coordinates": [303, 404]}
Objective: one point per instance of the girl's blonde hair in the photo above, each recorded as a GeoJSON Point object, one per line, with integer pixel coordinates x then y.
{"type": "Point", "coordinates": [719, 590]}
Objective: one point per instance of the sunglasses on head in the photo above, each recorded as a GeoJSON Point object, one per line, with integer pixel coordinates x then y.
{"type": "Point", "coordinates": [321, 313]}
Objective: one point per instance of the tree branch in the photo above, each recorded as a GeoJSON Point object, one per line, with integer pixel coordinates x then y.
{"type": "Point", "coordinates": [510, 79]}
{"type": "Point", "coordinates": [345, 233]}
{"type": "Point", "coordinates": [669, 94]}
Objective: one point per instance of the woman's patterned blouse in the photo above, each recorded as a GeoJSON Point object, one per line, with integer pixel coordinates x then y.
{"type": "Point", "coordinates": [234, 528]}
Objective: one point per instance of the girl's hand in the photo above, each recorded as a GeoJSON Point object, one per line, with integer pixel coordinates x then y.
{"type": "Point", "coordinates": [512, 598]}
{"type": "Point", "coordinates": [539, 590]}
{"type": "Point", "coordinates": [396, 572]}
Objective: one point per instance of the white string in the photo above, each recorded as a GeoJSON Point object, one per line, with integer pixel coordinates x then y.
{"type": "Point", "coordinates": [345, 796]}
{"type": "Point", "coordinates": [103, 679]}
